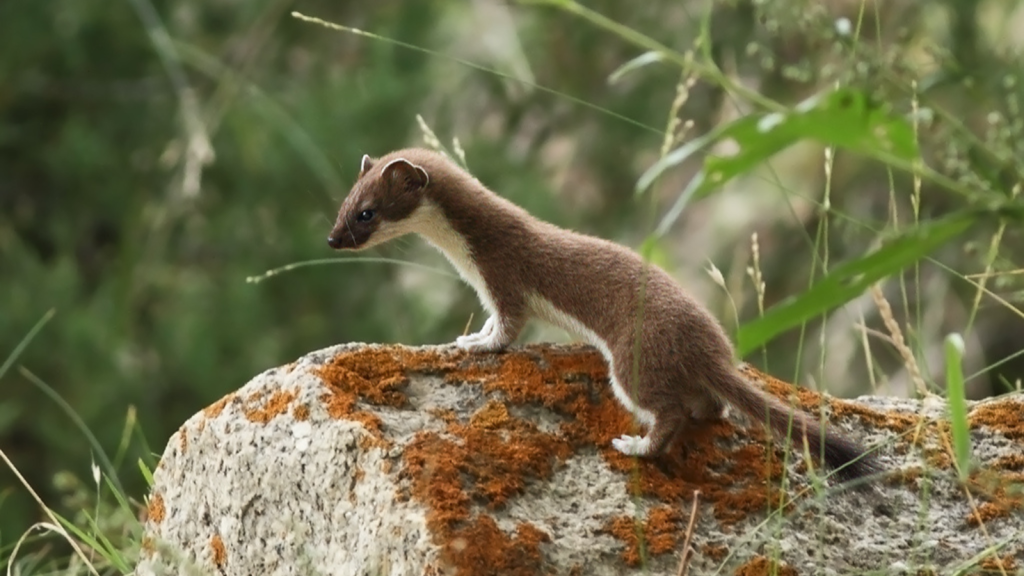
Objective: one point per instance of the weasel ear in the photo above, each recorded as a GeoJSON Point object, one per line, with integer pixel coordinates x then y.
{"type": "Point", "coordinates": [401, 169]}
{"type": "Point", "coordinates": [366, 164]}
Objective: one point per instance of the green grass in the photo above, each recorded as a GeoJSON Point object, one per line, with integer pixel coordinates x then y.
{"type": "Point", "coordinates": [91, 534]}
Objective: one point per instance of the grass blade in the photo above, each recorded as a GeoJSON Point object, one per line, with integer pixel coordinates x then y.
{"type": "Point", "coordinates": [147, 474]}
{"type": "Point", "coordinates": [78, 422]}
{"type": "Point", "coordinates": [970, 566]}
{"type": "Point", "coordinates": [637, 63]}
{"type": "Point", "coordinates": [101, 545]}
{"type": "Point", "coordinates": [578, 101]}
{"type": "Point", "coordinates": [25, 341]}
{"type": "Point", "coordinates": [957, 400]}
{"type": "Point", "coordinates": [3, 456]}
{"type": "Point", "coordinates": [322, 261]}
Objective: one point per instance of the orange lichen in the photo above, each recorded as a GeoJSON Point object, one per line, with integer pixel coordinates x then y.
{"type": "Point", "coordinates": [445, 415]}
{"type": "Point", "coordinates": [714, 552]}
{"type": "Point", "coordinates": [300, 412]}
{"type": "Point", "coordinates": [574, 383]}
{"type": "Point", "coordinates": [490, 458]}
{"type": "Point", "coordinates": [220, 553]}
{"type": "Point", "coordinates": [1009, 462]}
{"type": "Point", "coordinates": [262, 412]}
{"type": "Point", "coordinates": [761, 566]}
{"type": "Point", "coordinates": [736, 482]}
{"type": "Point", "coordinates": [1006, 416]}
{"type": "Point", "coordinates": [183, 439]}
{"type": "Point", "coordinates": [998, 564]}
{"type": "Point", "coordinates": [904, 476]}
{"type": "Point", "coordinates": [214, 410]}
{"type": "Point", "coordinates": [481, 547]}
{"type": "Point", "coordinates": [375, 374]}
{"type": "Point", "coordinates": [1002, 492]}
{"type": "Point", "coordinates": [658, 533]}
{"type": "Point", "coordinates": [155, 509]}
{"type": "Point", "coordinates": [372, 375]}
{"type": "Point", "coordinates": [805, 398]}
{"type": "Point", "coordinates": [495, 452]}
{"type": "Point", "coordinates": [538, 375]}
{"type": "Point", "coordinates": [938, 459]}
{"type": "Point", "coordinates": [491, 417]}
{"type": "Point", "coordinates": [148, 547]}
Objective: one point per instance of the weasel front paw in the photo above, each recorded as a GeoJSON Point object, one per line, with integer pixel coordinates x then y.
{"type": "Point", "coordinates": [632, 445]}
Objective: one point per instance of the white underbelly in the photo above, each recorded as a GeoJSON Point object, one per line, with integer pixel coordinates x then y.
{"type": "Point", "coordinates": [548, 312]}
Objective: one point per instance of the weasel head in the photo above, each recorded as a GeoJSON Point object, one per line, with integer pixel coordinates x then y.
{"type": "Point", "coordinates": [381, 204]}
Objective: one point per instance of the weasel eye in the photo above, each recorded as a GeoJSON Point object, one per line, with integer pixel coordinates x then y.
{"type": "Point", "coordinates": [365, 216]}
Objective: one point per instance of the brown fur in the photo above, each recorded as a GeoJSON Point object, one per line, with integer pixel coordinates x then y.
{"type": "Point", "coordinates": [686, 366]}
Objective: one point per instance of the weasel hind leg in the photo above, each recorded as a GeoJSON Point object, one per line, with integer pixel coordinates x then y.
{"type": "Point", "coordinates": [657, 439]}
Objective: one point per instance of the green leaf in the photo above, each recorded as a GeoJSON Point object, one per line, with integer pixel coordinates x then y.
{"type": "Point", "coordinates": [844, 118]}
{"type": "Point", "coordinates": [957, 400]}
{"type": "Point", "coordinates": [850, 279]}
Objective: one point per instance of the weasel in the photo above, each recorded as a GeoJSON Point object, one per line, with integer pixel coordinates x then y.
{"type": "Point", "coordinates": [522, 267]}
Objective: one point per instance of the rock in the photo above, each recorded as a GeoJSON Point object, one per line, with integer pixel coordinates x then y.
{"type": "Point", "coordinates": [365, 459]}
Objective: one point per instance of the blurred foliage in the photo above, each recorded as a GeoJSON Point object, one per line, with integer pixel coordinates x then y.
{"type": "Point", "coordinates": [155, 154]}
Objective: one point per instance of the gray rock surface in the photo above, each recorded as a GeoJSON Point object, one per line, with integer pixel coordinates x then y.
{"type": "Point", "coordinates": [365, 459]}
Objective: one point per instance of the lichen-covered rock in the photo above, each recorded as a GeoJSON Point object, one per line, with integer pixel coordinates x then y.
{"type": "Point", "coordinates": [364, 459]}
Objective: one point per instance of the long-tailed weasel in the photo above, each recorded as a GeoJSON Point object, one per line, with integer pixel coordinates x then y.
{"type": "Point", "coordinates": [522, 267]}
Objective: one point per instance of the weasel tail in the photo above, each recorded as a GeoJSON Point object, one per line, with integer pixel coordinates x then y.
{"type": "Point", "coordinates": [523, 268]}
{"type": "Point", "coordinates": [846, 458]}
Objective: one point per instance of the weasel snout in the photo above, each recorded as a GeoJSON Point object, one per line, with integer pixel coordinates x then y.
{"type": "Point", "coordinates": [348, 237]}
{"type": "Point", "coordinates": [341, 238]}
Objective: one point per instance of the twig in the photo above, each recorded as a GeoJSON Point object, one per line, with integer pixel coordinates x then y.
{"type": "Point", "coordinates": [684, 562]}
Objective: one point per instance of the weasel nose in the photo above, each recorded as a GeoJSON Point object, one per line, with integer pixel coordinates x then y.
{"type": "Point", "coordinates": [333, 242]}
